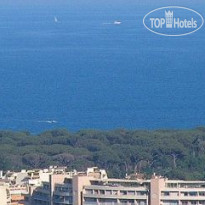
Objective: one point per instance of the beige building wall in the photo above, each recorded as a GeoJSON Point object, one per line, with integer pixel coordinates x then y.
{"type": "Point", "coordinates": [4, 195]}
{"type": "Point", "coordinates": [78, 184]}
{"type": "Point", "coordinates": [156, 186]}
{"type": "Point", "coordinates": [55, 179]}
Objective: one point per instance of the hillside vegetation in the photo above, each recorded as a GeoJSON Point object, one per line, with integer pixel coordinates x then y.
{"type": "Point", "coordinates": [172, 153]}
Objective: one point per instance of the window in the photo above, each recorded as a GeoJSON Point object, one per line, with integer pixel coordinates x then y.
{"type": "Point", "coordinates": [108, 192]}
{"type": "Point", "coordinates": [102, 191]}
{"type": "Point", "coordinates": [131, 193]}
{"type": "Point", "coordinates": [89, 191]}
{"type": "Point", "coordinates": [165, 193]}
{"type": "Point", "coordinates": [123, 193]}
{"type": "Point", "coordinates": [192, 193]}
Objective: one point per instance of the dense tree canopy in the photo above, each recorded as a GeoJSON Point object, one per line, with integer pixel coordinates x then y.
{"type": "Point", "coordinates": [172, 153]}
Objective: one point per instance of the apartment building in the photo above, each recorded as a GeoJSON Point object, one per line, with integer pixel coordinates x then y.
{"type": "Point", "coordinates": [58, 190]}
{"type": "Point", "coordinates": [57, 186]}
{"type": "Point", "coordinates": [91, 188]}
{"type": "Point", "coordinates": [114, 192]}
{"type": "Point", "coordinates": [20, 185]}
{"type": "Point", "coordinates": [176, 192]}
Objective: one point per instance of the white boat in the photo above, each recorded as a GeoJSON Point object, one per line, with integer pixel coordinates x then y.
{"type": "Point", "coordinates": [51, 121]}
{"type": "Point", "coordinates": [117, 22]}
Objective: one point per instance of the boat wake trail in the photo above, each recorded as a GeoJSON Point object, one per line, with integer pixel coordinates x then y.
{"type": "Point", "coordinates": [32, 121]}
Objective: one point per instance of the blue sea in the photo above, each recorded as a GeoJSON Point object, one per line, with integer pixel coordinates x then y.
{"type": "Point", "coordinates": [83, 72]}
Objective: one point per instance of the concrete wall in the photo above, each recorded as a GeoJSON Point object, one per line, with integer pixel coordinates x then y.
{"type": "Point", "coordinates": [78, 183]}
{"type": "Point", "coordinates": [157, 184]}
{"type": "Point", "coordinates": [55, 179]}
{"type": "Point", "coordinates": [3, 195]}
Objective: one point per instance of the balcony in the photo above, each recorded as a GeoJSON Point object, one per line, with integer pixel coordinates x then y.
{"type": "Point", "coordinates": [61, 193]}
{"type": "Point", "coordinates": [40, 198]}
{"type": "Point", "coordinates": [115, 196]}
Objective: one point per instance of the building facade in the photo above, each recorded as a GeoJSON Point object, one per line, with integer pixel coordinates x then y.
{"type": "Point", "coordinates": [176, 192]}
{"type": "Point", "coordinates": [93, 187]}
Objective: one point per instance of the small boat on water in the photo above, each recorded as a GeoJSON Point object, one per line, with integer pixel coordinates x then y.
{"type": "Point", "coordinates": [51, 121]}
{"type": "Point", "coordinates": [117, 22]}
